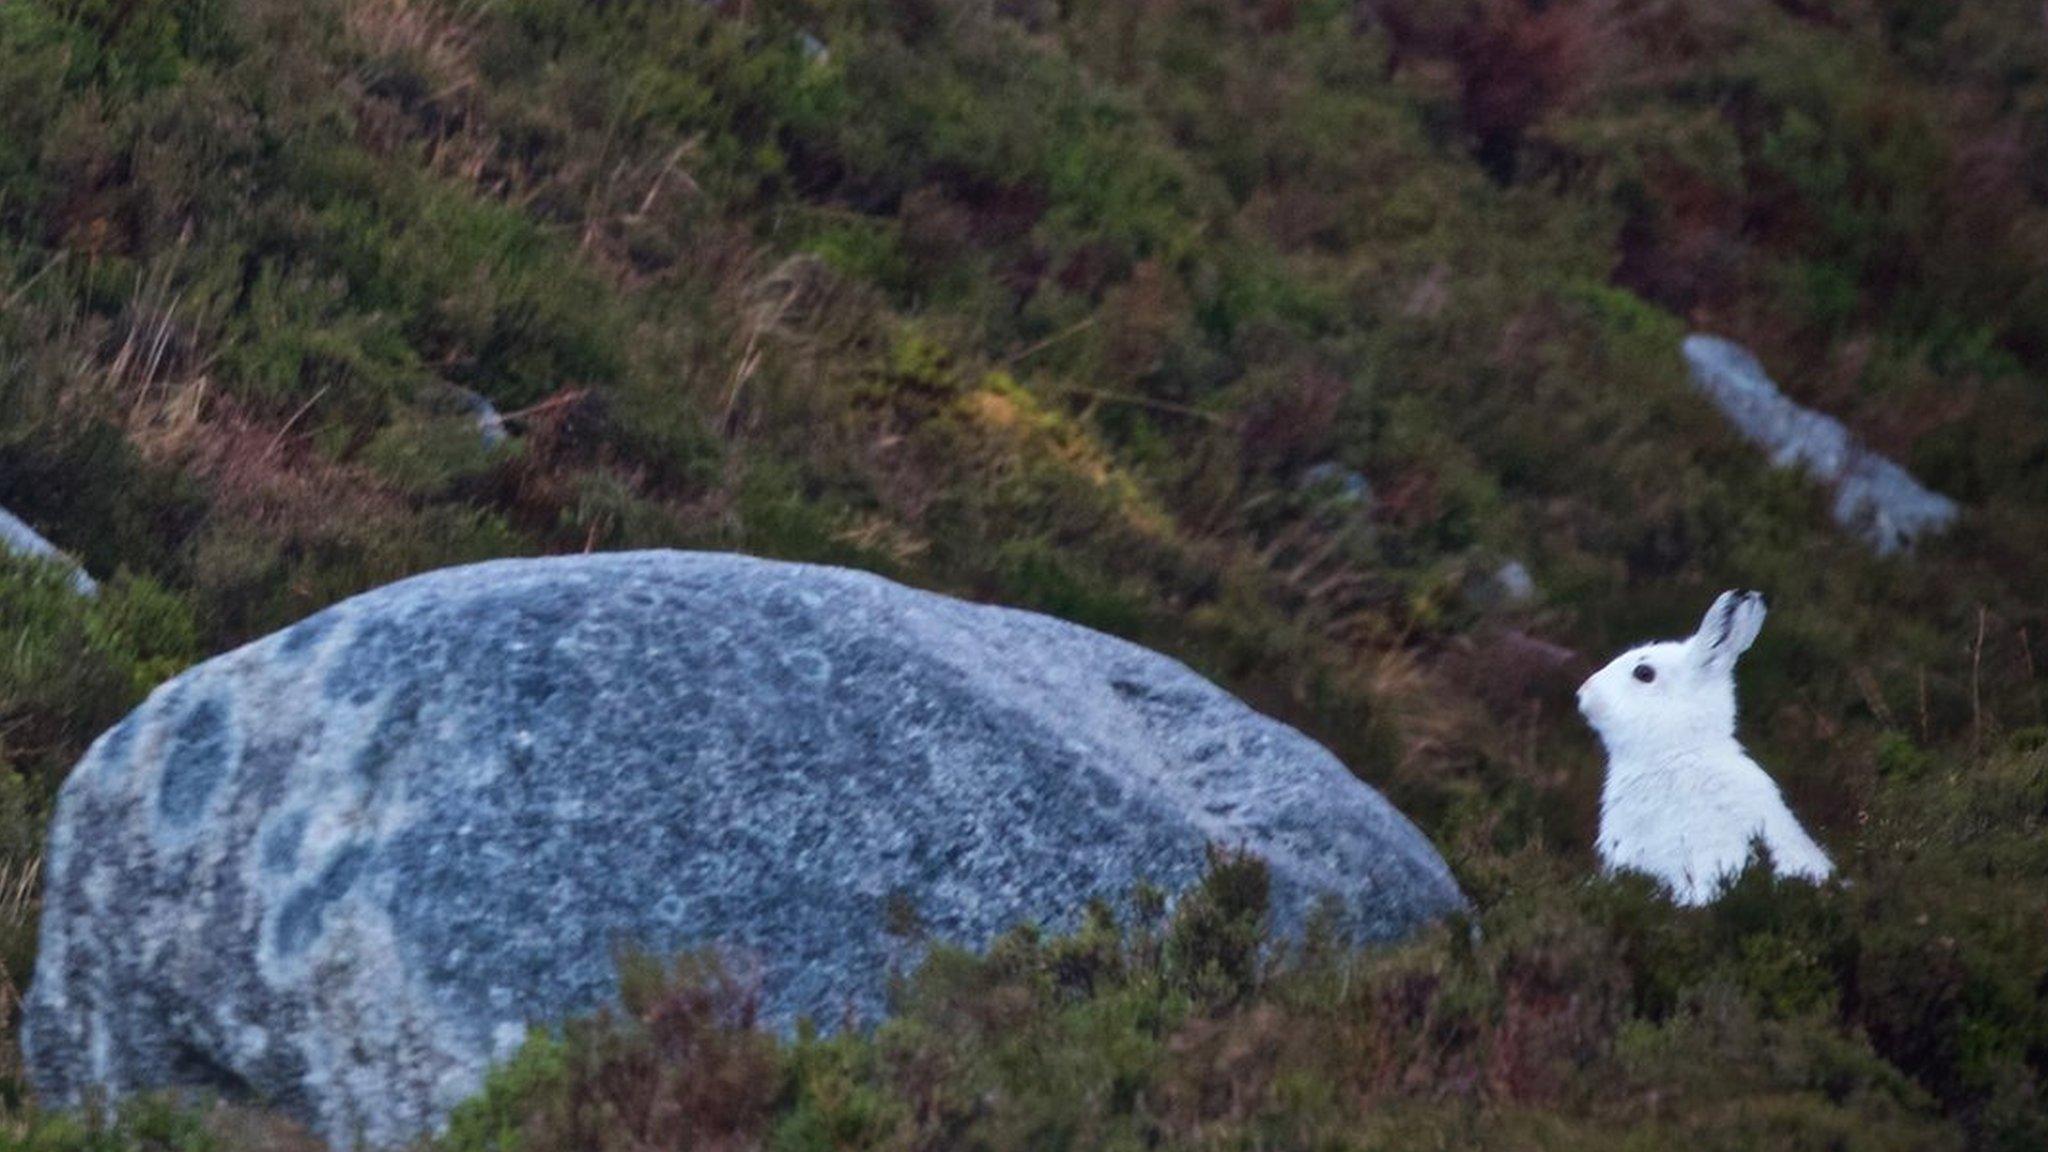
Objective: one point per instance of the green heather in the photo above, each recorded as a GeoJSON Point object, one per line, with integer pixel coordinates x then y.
{"type": "Point", "coordinates": [1053, 303]}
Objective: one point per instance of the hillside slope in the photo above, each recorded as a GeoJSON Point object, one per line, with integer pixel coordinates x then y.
{"type": "Point", "coordinates": [1264, 333]}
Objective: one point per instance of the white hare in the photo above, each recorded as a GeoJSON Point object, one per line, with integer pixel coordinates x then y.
{"type": "Point", "coordinates": [1683, 801]}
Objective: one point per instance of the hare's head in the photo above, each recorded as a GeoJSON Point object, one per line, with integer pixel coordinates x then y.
{"type": "Point", "coordinates": [1679, 693]}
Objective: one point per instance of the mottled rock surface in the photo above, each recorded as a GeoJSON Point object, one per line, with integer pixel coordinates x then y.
{"type": "Point", "coordinates": [341, 869]}
{"type": "Point", "coordinates": [1874, 498]}
{"type": "Point", "coordinates": [22, 540]}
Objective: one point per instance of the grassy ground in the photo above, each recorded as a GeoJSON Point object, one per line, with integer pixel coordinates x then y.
{"type": "Point", "coordinates": [1057, 304]}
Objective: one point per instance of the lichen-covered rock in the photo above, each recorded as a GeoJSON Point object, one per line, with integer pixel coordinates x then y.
{"type": "Point", "coordinates": [1874, 498]}
{"type": "Point", "coordinates": [343, 868]}
{"type": "Point", "coordinates": [17, 537]}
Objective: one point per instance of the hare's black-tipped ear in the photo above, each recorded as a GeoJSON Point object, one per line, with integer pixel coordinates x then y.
{"type": "Point", "coordinates": [1729, 629]}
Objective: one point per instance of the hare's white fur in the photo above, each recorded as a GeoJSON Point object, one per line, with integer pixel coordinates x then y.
{"type": "Point", "coordinates": [1682, 800]}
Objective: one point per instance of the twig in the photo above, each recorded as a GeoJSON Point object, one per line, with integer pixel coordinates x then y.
{"type": "Point", "coordinates": [1034, 349]}
{"type": "Point", "coordinates": [284, 431]}
{"type": "Point", "coordinates": [21, 290]}
{"type": "Point", "coordinates": [749, 363]}
{"type": "Point", "coordinates": [18, 888]}
{"type": "Point", "coordinates": [1314, 558]}
{"type": "Point", "coordinates": [598, 183]}
{"type": "Point", "coordinates": [547, 405]}
{"type": "Point", "coordinates": [160, 343]}
{"type": "Point", "coordinates": [1142, 402]}
{"type": "Point", "coordinates": [452, 88]}
{"type": "Point", "coordinates": [661, 177]}
{"type": "Point", "coordinates": [761, 320]}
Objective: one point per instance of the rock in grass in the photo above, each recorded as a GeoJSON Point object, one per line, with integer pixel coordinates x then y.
{"type": "Point", "coordinates": [1874, 498]}
{"type": "Point", "coordinates": [490, 424]}
{"type": "Point", "coordinates": [22, 540]}
{"type": "Point", "coordinates": [342, 869]}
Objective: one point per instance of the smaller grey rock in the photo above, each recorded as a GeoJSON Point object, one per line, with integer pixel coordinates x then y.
{"type": "Point", "coordinates": [22, 540]}
{"type": "Point", "coordinates": [1874, 498]}
{"type": "Point", "coordinates": [489, 424]}
{"type": "Point", "coordinates": [1343, 485]}
{"type": "Point", "coordinates": [1507, 586]}
{"type": "Point", "coordinates": [1513, 582]}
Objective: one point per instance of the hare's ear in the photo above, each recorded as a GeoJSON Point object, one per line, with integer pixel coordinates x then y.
{"type": "Point", "coordinates": [1729, 629]}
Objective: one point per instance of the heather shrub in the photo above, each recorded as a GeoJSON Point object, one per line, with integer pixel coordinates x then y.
{"type": "Point", "coordinates": [1069, 307]}
{"type": "Point", "coordinates": [683, 1067]}
{"type": "Point", "coordinates": [1562, 1009]}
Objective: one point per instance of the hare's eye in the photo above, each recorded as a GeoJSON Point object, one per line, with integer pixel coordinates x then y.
{"type": "Point", "coordinates": [1645, 673]}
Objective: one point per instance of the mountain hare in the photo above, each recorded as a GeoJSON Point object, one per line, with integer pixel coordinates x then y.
{"type": "Point", "coordinates": [1682, 801]}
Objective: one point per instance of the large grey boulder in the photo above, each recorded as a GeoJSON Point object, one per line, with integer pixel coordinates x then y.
{"type": "Point", "coordinates": [1874, 498]}
{"type": "Point", "coordinates": [343, 868]}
